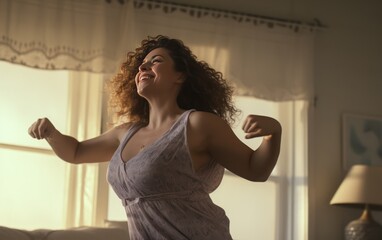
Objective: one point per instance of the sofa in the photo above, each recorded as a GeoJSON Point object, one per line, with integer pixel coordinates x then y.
{"type": "Point", "coordinates": [111, 231]}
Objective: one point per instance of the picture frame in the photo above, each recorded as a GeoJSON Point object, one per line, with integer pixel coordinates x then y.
{"type": "Point", "coordinates": [362, 140]}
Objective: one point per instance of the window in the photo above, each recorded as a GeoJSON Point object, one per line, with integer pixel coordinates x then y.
{"type": "Point", "coordinates": [32, 180]}
{"type": "Point", "coordinates": [267, 210]}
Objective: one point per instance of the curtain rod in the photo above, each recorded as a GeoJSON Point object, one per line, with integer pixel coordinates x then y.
{"type": "Point", "coordinates": [315, 24]}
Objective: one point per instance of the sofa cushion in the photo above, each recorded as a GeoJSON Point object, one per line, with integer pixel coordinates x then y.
{"type": "Point", "coordinates": [88, 233]}
{"type": "Point", "coordinates": [115, 224]}
{"type": "Point", "coordinates": [80, 233]}
{"type": "Point", "coordinates": [14, 234]}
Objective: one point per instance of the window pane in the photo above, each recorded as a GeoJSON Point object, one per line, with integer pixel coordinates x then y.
{"type": "Point", "coordinates": [251, 207]}
{"type": "Point", "coordinates": [32, 190]}
{"type": "Point", "coordinates": [115, 211]}
{"type": "Point", "coordinates": [27, 94]}
{"type": "Point", "coordinates": [32, 182]}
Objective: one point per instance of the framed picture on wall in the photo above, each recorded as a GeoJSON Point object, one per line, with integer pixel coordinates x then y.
{"type": "Point", "coordinates": [362, 140]}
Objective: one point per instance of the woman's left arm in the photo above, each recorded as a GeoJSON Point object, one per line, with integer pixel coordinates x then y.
{"type": "Point", "coordinates": [222, 145]}
{"type": "Point", "coordinates": [264, 158]}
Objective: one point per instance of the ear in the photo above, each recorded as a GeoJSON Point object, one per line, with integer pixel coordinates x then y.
{"type": "Point", "coordinates": [181, 78]}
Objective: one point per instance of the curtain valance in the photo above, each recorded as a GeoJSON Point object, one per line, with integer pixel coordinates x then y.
{"type": "Point", "coordinates": [267, 59]}
{"type": "Point", "coordinates": [84, 35]}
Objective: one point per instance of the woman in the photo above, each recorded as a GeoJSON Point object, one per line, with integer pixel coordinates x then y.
{"type": "Point", "coordinates": [172, 151]}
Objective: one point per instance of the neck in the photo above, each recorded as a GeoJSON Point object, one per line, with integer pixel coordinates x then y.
{"type": "Point", "coordinates": [163, 114]}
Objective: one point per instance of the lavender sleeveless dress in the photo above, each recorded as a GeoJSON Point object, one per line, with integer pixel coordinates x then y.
{"type": "Point", "coordinates": [163, 196]}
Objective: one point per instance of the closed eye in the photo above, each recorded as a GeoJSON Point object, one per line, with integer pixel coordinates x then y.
{"type": "Point", "coordinates": [156, 60]}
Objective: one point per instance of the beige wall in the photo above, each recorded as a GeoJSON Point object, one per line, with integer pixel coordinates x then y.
{"type": "Point", "coordinates": [348, 79]}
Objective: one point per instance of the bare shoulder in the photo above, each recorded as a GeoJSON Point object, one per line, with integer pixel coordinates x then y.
{"type": "Point", "coordinates": [205, 123]}
{"type": "Point", "coordinates": [200, 119]}
{"type": "Point", "coordinates": [124, 126]}
{"type": "Point", "coordinates": [118, 131]}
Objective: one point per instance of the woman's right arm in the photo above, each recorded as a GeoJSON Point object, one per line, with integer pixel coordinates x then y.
{"type": "Point", "coordinates": [69, 149]}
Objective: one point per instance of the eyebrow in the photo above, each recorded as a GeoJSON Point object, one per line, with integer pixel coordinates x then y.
{"type": "Point", "coordinates": [157, 55]}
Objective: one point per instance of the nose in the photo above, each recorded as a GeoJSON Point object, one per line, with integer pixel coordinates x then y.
{"type": "Point", "coordinates": [144, 66]}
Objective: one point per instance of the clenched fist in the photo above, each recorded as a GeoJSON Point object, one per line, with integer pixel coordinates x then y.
{"type": "Point", "coordinates": [41, 129]}
{"type": "Point", "coordinates": [258, 126]}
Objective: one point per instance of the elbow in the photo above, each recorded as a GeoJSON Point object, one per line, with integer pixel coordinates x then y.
{"type": "Point", "coordinates": [75, 162]}
{"type": "Point", "coordinates": [75, 158]}
{"type": "Point", "coordinates": [70, 156]}
{"type": "Point", "coordinates": [260, 173]}
{"type": "Point", "coordinates": [71, 160]}
{"type": "Point", "coordinates": [260, 178]}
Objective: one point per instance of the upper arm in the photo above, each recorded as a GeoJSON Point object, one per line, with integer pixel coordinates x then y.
{"type": "Point", "coordinates": [100, 148]}
{"type": "Point", "coordinates": [221, 143]}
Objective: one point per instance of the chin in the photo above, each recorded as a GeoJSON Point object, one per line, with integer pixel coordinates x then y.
{"type": "Point", "coordinates": [142, 92]}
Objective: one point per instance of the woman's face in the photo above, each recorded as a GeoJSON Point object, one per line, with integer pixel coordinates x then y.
{"type": "Point", "coordinates": [157, 72]}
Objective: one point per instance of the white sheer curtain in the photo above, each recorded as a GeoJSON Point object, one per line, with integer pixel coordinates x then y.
{"type": "Point", "coordinates": [85, 185]}
{"type": "Point", "coordinates": [88, 35]}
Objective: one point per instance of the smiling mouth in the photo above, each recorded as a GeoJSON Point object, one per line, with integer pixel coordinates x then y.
{"type": "Point", "coordinates": [146, 77]}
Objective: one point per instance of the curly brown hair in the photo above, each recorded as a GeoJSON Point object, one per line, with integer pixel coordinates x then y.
{"type": "Point", "coordinates": [204, 89]}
